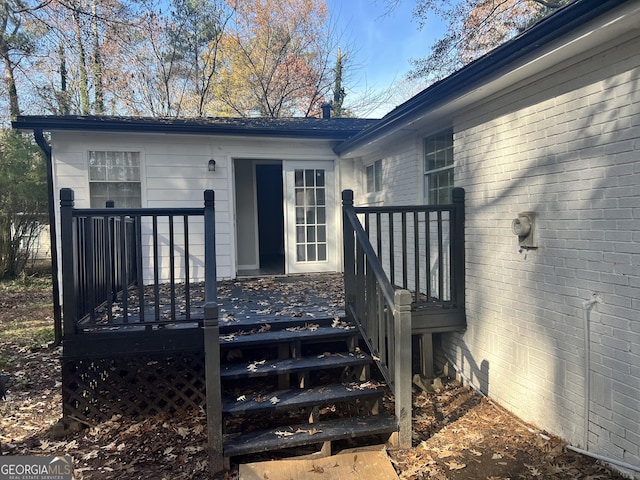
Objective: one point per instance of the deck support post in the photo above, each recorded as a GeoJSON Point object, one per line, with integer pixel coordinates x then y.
{"type": "Point", "coordinates": [210, 271]}
{"type": "Point", "coordinates": [213, 387]}
{"type": "Point", "coordinates": [349, 249]}
{"type": "Point", "coordinates": [69, 241]}
{"type": "Point", "coordinates": [402, 366]}
{"type": "Point", "coordinates": [427, 368]}
{"type": "Point", "coordinates": [458, 248]}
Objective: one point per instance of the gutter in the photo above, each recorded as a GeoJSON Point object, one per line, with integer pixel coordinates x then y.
{"type": "Point", "coordinates": [477, 72]}
{"type": "Point", "coordinates": [57, 311]}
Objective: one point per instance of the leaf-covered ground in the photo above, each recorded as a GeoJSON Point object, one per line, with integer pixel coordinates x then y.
{"type": "Point", "coordinates": [457, 434]}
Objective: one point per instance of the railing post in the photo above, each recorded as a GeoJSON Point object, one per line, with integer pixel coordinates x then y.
{"type": "Point", "coordinates": [210, 285]}
{"type": "Point", "coordinates": [349, 249]}
{"type": "Point", "coordinates": [457, 254]}
{"type": "Point", "coordinates": [69, 280]}
{"type": "Point", "coordinates": [402, 366]}
{"type": "Point", "coordinates": [213, 387]}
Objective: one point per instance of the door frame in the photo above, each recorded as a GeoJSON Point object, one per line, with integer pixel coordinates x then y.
{"type": "Point", "coordinates": [332, 264]}
{"type": "Point", "coordinates": [334, 253]}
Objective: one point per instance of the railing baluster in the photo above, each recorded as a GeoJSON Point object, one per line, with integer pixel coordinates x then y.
{"type": "Point", "coordinates": [187, 275]}
{"type": "Point", "coordinates": [379, 236]}
{"type": "Point", "coordinates": [392, 252]}
{"type": "Point", "coordinates": [124, 270]}
{"type": "Point", "coordinates": [80, 274]}
{"type": "Point", "coordinates": [416, 254]}
{"type": "Point", "coordinates": [427, 254]}
{"type": "Point", "coordinates": [404, 250]}
{"type": "Point", "coordinates": [109, 240]}
{"type": "Point", "coordinates": [99, 258]}
{"type": "Point", "coordinates": [89, 265]}
{"type": "Point", "coordinates": [156, 269]}
{"type": "Point", "coordinates": [370, 313]}
{"type": "Point", "coordinates": [440, 259]}
{"type": "Point", "coordinates": [381, 323]}
{"type": "Point", "coordinates": [139, 272]}
{"type": "Point", "coordinates": [360, 281]}
{"type": "Point", "coordinates": [172, 267]}
{"type": "Point", "coordinates": [367, 226]}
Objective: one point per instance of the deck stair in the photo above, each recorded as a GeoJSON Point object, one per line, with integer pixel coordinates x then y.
{"type": "Point", "coordinates": [290, 382]}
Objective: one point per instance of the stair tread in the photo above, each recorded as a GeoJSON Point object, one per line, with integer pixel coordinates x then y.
{"type": "Point", "coordinates": [295, 398]}
{"type": "Point", "coordinates": [305, 434]}
{"type": "Point", "coordinates": [231, 322]}
{"type": "Point", "coordinates": [292, 365]}
{"type": "Point", "coordinates": [274, 336]}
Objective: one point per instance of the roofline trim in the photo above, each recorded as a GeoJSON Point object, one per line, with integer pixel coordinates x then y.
{"type": "Point", "coordinates": [171, 126]}
{"type": "Point", "coordinates": [474, 74]}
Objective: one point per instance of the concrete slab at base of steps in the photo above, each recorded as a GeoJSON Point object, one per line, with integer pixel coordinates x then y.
{"type": "Point", "coordinates": [371, 463]}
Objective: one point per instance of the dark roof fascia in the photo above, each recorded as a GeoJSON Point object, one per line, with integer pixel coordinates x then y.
{"type": "Point", "coordinates": [541, 34]}
{"type": "Point", "coordinates": [323, 129]}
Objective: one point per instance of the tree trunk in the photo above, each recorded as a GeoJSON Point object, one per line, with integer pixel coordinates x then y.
{"type": "Point", "coordinates": [63, 96]}
{"type": "Point", "coordinates": [9, 78]}
{"type": "Point", "coordinates": [82, 65]}
{"type": "Point", "coordinates": [97, 64]}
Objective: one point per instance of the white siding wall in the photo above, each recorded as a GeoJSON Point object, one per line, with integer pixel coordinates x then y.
{"type": "Point", "coordinates": [568, 148]}
{"type": "Point", "coordinates": [175, 174]}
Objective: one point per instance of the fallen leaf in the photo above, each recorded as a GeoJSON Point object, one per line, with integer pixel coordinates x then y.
{"type": "Point", "coordinates": [455, 465]}
{"type": "Point", "coordinates": [446, 454]}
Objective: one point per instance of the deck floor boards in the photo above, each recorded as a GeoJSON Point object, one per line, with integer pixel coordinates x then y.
{"type": "Point", "coordinates": [241, 302]}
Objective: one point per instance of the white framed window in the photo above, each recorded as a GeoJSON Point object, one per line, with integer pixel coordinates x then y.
{"type": "Point", "coordinates": [311, 215]}
{"type": "Point", "coordinates": [438, 168]}
{"type": "Point", "coordinates": [115, 176]}
{"type": "Point", "coordinates": [374, 176]}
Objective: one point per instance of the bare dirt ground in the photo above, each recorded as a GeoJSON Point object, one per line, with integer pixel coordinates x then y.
{"type": "Point", "coordinates": [457, 434]}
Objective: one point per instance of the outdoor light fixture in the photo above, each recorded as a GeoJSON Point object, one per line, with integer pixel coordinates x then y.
{"type": "Point", "coordinates": [212, 165]}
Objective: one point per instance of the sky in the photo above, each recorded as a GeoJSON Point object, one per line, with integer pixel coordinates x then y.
{"type": "Point", "coordinates": [383, 44]}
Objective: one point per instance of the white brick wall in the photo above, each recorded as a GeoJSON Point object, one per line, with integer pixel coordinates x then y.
{"type": "Point", "coordinates": [401, 174]}
{"type": "Point", "coordinates": [567, 146]}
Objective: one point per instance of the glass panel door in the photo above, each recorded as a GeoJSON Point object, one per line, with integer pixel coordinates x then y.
{"type": "Point", "coordinates": [311, 222]}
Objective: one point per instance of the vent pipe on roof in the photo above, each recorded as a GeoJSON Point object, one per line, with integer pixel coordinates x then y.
{"type": "Point", "coordinates": [326, 110]}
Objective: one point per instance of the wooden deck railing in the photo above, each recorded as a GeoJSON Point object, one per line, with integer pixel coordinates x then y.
{"type": "Point", "coordinates": [134, 267]}
{"type": "Point", "coordinates": [411, 282]}
{"type": "Point", "coordinates": [382, 314]}
{"type": "Point", "coordinates": [421, 249]}
{"type": "Point", "coordinates": [112, 256]}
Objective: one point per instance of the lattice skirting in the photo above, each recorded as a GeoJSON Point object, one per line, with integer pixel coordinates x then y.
{"type": "Point", "coordinates": [96, 389]}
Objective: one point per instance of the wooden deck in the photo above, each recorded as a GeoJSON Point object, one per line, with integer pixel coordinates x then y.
{"type": "Point", "coordinates": [174, 325]}
{"type": "Point", "coordinates": [133, 345]}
